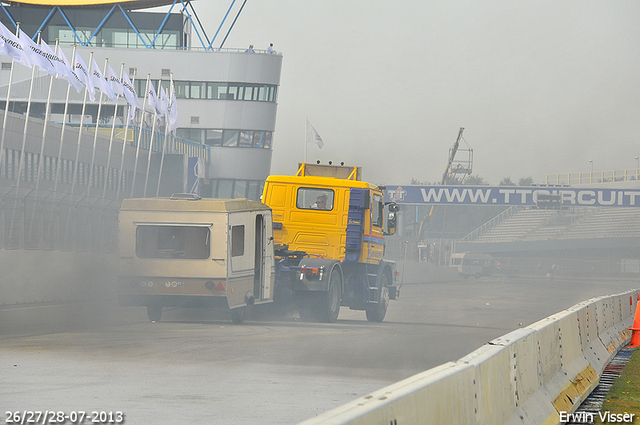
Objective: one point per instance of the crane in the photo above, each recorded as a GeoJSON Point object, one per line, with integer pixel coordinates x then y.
{"type": "Point", "coordinates": [448, 170]}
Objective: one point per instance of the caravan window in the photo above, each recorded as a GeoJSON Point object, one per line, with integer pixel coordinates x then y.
{"type": "Point", "coordinates": [237, 241]}
{"type": "Point", "coordinates": [172, 242]}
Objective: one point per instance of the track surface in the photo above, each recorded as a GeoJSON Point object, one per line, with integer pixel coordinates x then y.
{"type": "Point", "coordinates": [196, 367]}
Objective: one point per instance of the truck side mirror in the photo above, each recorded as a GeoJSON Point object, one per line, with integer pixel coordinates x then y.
{"type": "Point", "coordinates": [391, 218]}
{"type": "Point", "coordinates": [391, 223]}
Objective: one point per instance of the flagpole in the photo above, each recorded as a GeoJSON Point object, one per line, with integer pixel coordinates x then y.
{"type": "Point", "coordinates": [6, 103]}
{"type": "Point", "coordinates": [153, 129]}
{"type": "Point", "coordinates": [44, 135]}
{"type": "Point", "coordinates": [124, 138]}
{"type": "Point", "coordinates": [64, 124]}
{"type": "Point", "coordinates": [306, 135]}
{"type": "Point", "coordinates": [95, 134]}
{"type": "Point", "coordinates": [113, 130]}
{"type": "Point", "coordinates": [84, 105]}
{"type": "Point", "coordinates": [46, 122]}
{"type": "Point", "coordinates": [144, 105]}
{"type": "Point", "coordinates": [21, 159]}
{"type": "Point", "coordinates": [172, 147]}
{"type": "Point", "coordinates": [166, 127]}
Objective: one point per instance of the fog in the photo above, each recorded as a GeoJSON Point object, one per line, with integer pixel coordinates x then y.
{"type": "Point", "coordinates": [540, 87]}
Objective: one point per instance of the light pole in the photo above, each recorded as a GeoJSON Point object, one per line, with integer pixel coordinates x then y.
{"type": "Point", "coordinates": [591, 173]}
{"type": "Point", "coordinates": [638, 163]}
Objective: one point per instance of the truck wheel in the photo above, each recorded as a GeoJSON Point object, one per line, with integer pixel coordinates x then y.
{"type": "Point", "coordinates": [377, 311]}
{"type": "Point", "coordinates": [306, 303]}
{"type": "Point", "coordinates": [237, 315]}
{"type": "Point", "coordinates": [328, 306]}
{"type": "Point", "coordinates": [154, 311]}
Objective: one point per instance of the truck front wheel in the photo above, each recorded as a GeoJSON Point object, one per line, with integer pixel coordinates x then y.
{"type": "Point", "coordinates": [328, 307]}
{"type": "Point", "coordinates": [377, 311]}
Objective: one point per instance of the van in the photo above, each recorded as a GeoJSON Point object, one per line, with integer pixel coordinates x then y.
{"type": "Point", "coordinates": [472, 264]}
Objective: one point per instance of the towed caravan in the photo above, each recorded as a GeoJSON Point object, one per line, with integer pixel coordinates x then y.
{"type": "Point", "coordinates": [185, 251]}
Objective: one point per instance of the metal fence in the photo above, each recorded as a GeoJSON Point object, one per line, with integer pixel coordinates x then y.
{"type": "Point", "coordinates": [594, 177]}
{"type": "Point", "coordinates": [34, 223]}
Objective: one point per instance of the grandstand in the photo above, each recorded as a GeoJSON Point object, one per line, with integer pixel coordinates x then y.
{"type": "Point", "coordinates": [578, 240]}
{"type": "Point", "coordinates": [519, 224]}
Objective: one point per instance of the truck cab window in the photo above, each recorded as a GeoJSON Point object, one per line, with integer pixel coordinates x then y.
{"type": "Point", "coordinates": [310, 198]}
{"type": "Point", "coordinates": [377, 210]}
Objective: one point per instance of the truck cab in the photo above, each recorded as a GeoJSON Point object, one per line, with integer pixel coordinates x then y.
{"type": "Point", "coordinates": [328, 229]}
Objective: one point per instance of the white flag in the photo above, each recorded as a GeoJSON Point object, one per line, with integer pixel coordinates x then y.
{"type": "Point", "coordinates": [313, 136]}
{"type": "Point", "coordinates": [114, 81]}
{"type": "Point", "coordinates": [12, 46]}
{"type": "Point", "coordinates": [100, 82]}
{"type": "Point", "coordinates": [63, 68]}
{"type": "Point", "coordinates": [82, 72]}
{"type": "Point", "coordinates": [153, 101]}
{"type": "Point", "coordinates": [73, 78]}
{"type": "Point", "coordinates": [35, 55]}
{"type": "Point", "coordinates": [130, 95]}
{"type": "Point", "coordinates": [164, 101]}
{"type": "Point", "coordinates": [172, 111]}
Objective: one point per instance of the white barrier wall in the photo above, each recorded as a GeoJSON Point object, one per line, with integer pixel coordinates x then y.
{"type": "Point", "coordinates": [526, 377]}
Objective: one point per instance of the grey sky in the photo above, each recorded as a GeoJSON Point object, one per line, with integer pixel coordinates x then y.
{"type": "Point", "coordinates": [541, 87]}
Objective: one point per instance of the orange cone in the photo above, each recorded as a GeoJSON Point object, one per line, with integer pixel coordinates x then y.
{"type": "Point", "coordinates": [635, 335]}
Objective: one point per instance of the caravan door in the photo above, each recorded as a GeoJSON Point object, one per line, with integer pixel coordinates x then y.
{"type": "Point", "coordinates": [240, 258]}
{"type": "Point", "coordinates": [252, 267]}
{"type": "Point", "coordinates": [264, 262]}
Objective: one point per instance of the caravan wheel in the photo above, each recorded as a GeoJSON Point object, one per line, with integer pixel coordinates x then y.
{"type": "Point", "coordinates": [154, 311]}
{"type": "Point", "coordinates": [237, 315]}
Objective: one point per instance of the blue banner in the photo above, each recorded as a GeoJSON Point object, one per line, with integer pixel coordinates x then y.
{"type": "Point", "coordinates": [510, 195]}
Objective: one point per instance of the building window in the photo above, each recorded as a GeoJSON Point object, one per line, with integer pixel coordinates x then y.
{"type": "Point", "coordinates": [225, 188]}
{"type": "Point", "coordinates": [215, 90]}
{"type": "Point", "coordinates": [227, 138]}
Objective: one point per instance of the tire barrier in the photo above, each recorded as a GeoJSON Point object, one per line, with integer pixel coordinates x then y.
{"type": "Point", "coordinates": [529, 376]}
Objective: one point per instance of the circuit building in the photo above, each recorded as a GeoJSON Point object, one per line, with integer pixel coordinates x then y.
{"type": "Point", "coordinates": [227, 97]}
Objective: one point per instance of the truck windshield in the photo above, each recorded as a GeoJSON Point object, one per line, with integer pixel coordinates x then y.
{"type": "Point", "coordinates": [172, 242]}
{"type": "Point", "coordinates": [315, 198]}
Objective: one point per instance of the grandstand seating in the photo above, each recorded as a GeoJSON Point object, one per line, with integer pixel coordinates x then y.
{"type": "Point", "coordinates": [575, 223]}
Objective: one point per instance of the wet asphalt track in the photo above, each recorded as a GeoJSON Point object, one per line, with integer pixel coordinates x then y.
{"type": "Point", "coordinates": [197, 367]}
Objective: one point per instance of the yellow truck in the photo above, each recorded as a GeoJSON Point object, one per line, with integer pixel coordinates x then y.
{"type": "Point", "coordinates": [185, 251]}
{"type": "Point", "coordinates": [328, 229]}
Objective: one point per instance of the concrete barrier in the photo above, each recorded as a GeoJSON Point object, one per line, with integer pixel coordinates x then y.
{"type": "Point", "coordinates": [55, 276]}
{"type": "Point", "coordinates": [529, 376]}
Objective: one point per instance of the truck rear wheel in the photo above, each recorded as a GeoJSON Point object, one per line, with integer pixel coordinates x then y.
{"type": "Point", "coordinates": [328, 306]}
{"type": "Point", "coordinates": [377, 311]}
